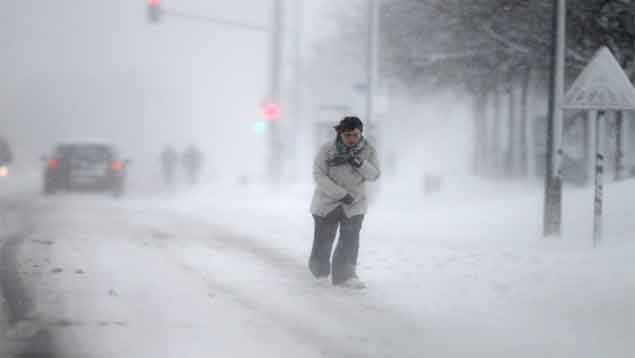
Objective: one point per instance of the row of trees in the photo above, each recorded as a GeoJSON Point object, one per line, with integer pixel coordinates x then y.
{"type": "Point", "coordinates": [497, 50]}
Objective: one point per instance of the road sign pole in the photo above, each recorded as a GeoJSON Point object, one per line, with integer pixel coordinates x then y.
{"type": "Point", "coordinates": [599, 186]}
{"type": "Point", "coordinates": [603, 85]}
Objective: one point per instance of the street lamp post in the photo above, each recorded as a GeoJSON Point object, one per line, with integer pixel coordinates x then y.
{"type": "Point", "coordinates": [552, 220]}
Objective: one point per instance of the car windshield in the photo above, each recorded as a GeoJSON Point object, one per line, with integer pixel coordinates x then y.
{"type": "Point", "coordinates": [86, 152]}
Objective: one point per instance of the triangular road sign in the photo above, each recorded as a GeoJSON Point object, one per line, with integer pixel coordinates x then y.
{"type": "Point", "coordinates": [601, 85]}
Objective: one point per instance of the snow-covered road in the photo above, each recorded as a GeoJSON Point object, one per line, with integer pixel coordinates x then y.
{"type": "Point", "coordinates": [222, 273]}
{"type": "Point", "coordinates": [110, 281]}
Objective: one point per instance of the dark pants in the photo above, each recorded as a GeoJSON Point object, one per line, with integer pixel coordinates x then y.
{"type": "Point", "coordinates": [346, 251]}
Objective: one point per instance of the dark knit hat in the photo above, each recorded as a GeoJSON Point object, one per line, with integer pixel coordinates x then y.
{"type": "Point", "coordinates": [349, 123]}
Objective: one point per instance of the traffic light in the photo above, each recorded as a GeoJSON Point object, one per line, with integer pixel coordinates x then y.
{"type": "Point", "coordinates": [260, 127]}
{"type": "Point", "coordinates": [271, 111]}
{"type": "Point", "coordinates": [154, 11]}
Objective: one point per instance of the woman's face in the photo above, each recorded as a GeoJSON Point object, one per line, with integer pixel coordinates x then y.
{"type": "Point", "coordinates": [351, 138]}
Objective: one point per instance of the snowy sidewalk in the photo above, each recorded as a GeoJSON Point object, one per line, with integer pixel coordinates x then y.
{"type": "Point", "coordinates": [470, 267]}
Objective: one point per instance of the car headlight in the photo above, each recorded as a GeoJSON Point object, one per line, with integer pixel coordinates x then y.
{"type": "Point", "coordinates": [4, 170]}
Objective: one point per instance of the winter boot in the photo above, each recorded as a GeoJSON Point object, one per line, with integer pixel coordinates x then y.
{"type": "Point", "coordinates": [353, 283]}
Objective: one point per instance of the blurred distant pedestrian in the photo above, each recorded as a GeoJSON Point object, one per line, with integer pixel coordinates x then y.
{"type": "Point", "coordinates": [169, 162]}
{"type": "Point", "coordinates": [192, 161]}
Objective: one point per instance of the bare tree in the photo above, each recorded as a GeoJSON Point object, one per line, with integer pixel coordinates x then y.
{"type": "Point", "coordinates": [481, 45]}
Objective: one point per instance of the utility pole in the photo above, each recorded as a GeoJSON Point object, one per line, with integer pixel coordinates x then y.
{"type": "Point", "coordinates": [552, 220]}
{"type": "Point", "coordinates": [296, 96]}
{"type": "Point", "coordinates": [371, 60]}
{"type": "Point", "coordinates": [297, 56]}
{"type": "Point", "coordinates": [275, 63]}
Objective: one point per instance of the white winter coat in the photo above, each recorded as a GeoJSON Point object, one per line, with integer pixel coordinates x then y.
{"type": "Point", "coordinates": [333, 183]}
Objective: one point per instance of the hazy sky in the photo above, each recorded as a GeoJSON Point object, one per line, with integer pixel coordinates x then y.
{"type": "Point", "coordinates": [87, 68]}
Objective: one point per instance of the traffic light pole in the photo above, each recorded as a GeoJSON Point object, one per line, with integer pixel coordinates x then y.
{"type": "Point", "coordinates": [215, 20]}
{"type": "Point", "coordinates": [275, 53]}
{"type": "Point", "coordinates": [156, 12]}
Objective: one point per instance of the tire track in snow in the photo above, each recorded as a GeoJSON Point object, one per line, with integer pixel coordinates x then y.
{"type": "Point", "coordinates": [26, 336]}
{"type": "Point", "coordinates": [339, 322]}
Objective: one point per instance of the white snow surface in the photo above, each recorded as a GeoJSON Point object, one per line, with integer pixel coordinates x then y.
{"type": "Point", "coordinates": [469, 265]}
{"type": "Point", "coordinates": [221, 271]}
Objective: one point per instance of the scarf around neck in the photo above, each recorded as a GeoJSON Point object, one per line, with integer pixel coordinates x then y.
{"type": "Point", "coordinates": [341, 148]}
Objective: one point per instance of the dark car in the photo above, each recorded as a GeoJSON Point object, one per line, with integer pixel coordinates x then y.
{"type": "Point", "coordinates": [85, 166]}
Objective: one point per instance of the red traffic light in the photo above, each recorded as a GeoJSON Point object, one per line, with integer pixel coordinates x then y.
{"type": "Point", "coordinates": [271, 111]}
{"type": "Point", "coordinates": [154, 2]}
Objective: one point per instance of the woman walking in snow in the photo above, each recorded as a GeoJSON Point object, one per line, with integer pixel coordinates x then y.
{"type": "Point", "coordinates": [340, 170]}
